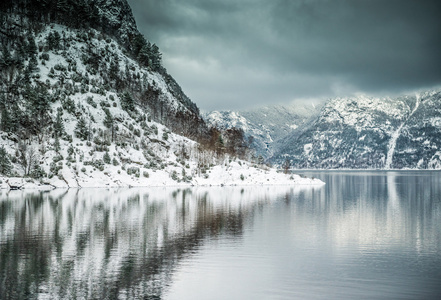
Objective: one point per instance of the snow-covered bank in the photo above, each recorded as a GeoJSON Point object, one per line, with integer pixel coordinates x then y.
{"type": "Point", "coordinates": [235, 173]}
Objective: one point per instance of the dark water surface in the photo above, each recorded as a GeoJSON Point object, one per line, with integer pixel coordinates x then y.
{"type": "Point", "coordinates": [364, 235]}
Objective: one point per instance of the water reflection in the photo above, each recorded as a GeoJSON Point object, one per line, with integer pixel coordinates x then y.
{"type": "Point", "coordinates": [377, 209]}
{"type": "Point", "coordinates": [372, 235]}
{"type": "Point", "coordinates": [95, 243]}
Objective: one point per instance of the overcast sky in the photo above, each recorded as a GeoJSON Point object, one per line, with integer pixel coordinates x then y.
{"type": "Point", "coordinates": [236, 54]}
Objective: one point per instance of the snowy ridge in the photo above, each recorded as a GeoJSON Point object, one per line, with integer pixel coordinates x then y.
{"type": "Point", "coordinates": [366, 132]}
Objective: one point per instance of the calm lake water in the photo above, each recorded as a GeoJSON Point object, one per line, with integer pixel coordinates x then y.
{"type": "Point", "coordinates": [364, 235]}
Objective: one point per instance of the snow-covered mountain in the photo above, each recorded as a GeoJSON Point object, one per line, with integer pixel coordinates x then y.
{"type": "Point", "coordinates": [370, 132]}
{"type": "Point", "coordinates": [353, 132]}
{"type": "Point", "coordinates": [264, 126]}
{"type": "Point", "coordinates": [85, 101]}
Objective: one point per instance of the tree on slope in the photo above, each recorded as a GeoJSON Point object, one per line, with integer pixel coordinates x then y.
{"type": "Point", "coordinates": [28, 158]}
{"type": "Point", "coordinates": [109, 122]}
{"type": "Point", "coordinates": [286, 165]}
{"type": "Point", "coordinates": [5, 119]}
{"type": "Point", "coordinates": [37, 99]}
{"type": "Point", "coordinates": [5, 163]}
{"type": "Point", "coordinates": [81, 130]}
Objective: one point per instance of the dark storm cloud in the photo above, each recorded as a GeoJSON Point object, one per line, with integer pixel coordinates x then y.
{"type": "Point", "coordinates": [232, 54]}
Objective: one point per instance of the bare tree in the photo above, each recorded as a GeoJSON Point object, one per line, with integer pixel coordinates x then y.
{"type": "Point", "coordinates": [286, 166]}
{"type": "Point", "coordinates": [28, 157]}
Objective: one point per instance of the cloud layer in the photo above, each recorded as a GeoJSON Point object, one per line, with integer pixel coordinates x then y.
{"type": "Point", "coordinates": [236, 54]}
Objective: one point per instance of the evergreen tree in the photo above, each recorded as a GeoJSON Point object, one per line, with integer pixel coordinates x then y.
{"type": "Point", "coordinates": [106, 158]}
{"type": "Point", "coordinates": [127, 102]}
{"type": "Point", "coordinates": [109, 122]}
{"type": "Point", "coordinates": [50, 41]}
{"type": "Point", "coordinates": [70, 152]}
{"type": "Point", "coordinates": [6, 58]}
{"type": "Point", "coordinates": [81, 130]}
{"type": "Point", "coordinates": [108, 119]}
{"type": "Point", "coordinates": [10, 116]}
{"type": "Point", "coordinates": [37, 172]}
{"type": "Point", "coordinates": [31, 48]}
{"type": "Point", "coordinates": [5, 163]}
{"type": "Point", "coordinates": [138, 43]}
{"type": "Point", "coordinates": [57, 40]}
{"type": "Point", "coordinates": [59, 125]}
{"type": "Point", "coordinates": [53, 40]}
{"type": "Point", "coordinates": [114, 75]}
{"type": "Point", "coordinates": [144, 55]}
{"type": "Point", "coordinates": [57, 146]}
{"type": "Point", "coordinates": [114, 70]}
{"type": "Point", "coordinates": [33, 65]}
{"type": "Point", "coordinates": [156, 57]}
{"type": "Point", "coordinates": [9, 65]}
{"type": "Point", "coordinates": [39, 105]}
{"type": "Point", "coordinates": [5, 121]}
{"type": "Point", "coordinates": [18, 60]}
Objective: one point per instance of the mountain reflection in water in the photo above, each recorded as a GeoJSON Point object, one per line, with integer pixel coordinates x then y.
{"type": "Point", "coordinates": [368, 235]}
{"type": "Point", "coordinates": [97, 243]}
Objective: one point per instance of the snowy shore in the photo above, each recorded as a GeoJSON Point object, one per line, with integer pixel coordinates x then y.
{"type": "Point", "coordinates": [232, 175]}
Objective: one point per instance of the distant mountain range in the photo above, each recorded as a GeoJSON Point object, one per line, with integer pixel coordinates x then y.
{"type": "Point", "coordinates": [359, 132]}
{"type": "Point", "coordinates": [266, 125]}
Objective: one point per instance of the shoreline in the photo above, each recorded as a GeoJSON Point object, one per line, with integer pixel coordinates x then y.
{"type": "Point", "coordinates": [33, 184]}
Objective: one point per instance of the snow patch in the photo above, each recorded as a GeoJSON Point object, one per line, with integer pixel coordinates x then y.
{"type": "Point", "coordinates": [307, 148]}
{"type": "Point", "coordinates": [396, 135]}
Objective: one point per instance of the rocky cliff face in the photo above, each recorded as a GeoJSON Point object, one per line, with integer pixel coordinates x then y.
{"type": "Point", "coordinates": [92, 42]}
{"type": "Point", "coordinates": [117, 18]}
{"type": "Point", "coordinates": [368, 132]}
{"type": "Point", "coordinates": [418, 140]}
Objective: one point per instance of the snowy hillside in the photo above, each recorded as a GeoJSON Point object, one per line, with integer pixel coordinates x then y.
{"type": "Point", "coordinates": [266, 125]}
{"type": "Point", "coordinates": [369, 132]}
{"type": "Point", "coordinates": [83, 107]}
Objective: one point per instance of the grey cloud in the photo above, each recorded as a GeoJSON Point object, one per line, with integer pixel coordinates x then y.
{"type": "Point", "coordinates": [234, 54]}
